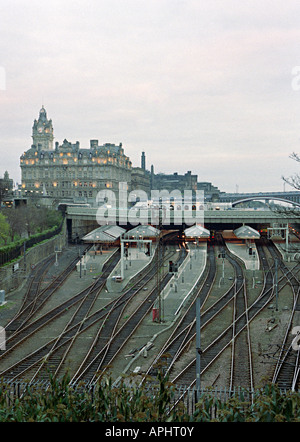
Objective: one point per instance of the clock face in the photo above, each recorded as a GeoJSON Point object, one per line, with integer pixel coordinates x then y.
{"type": "Point", "coordinates": [40, 129]}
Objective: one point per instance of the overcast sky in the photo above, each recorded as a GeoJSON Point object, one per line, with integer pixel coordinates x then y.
{"type": "Point", "coordinates": [205, 86]}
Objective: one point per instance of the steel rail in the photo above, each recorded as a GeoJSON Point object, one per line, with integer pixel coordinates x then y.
{"type": "Point", "coordinates": [188, 333]}
{"type": "Point", "coordinates": [34, 306]}
{"type": "Point", "coordinates": [43, 354]}
{"type": "Point", "coordinates": [227, 331]}
{"type": "Point", "coordinates": [95, 353]}
{"type": "Point", "coordinates": [31, 328]}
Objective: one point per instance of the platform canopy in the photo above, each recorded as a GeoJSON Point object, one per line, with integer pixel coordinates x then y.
{"type": "Point", "coordinates": [246, 232]}
{"type": "Point", "coordinates": [104, 234]}
{"type": "Point", "coordinates": [196, 231]}
{"type": "Point", "coordinates": [142, 231]}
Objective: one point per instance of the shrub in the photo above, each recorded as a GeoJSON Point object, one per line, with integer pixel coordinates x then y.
{"type": "Point", "coordinates": [131, 402]}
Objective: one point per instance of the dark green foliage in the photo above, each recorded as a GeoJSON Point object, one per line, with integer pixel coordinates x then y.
{"type": "Point", "coordinates": [130, 402]}
{"type": "Point", "coordinates": [36, 224]}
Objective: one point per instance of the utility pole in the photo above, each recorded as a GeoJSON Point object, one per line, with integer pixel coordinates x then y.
{"type": "Point", "coordinates": [24, 246]}
{"type": "Point", "coordinates": [158, 276]}
{"type": "Point", "coordinates": [122, 259]}
{"type": "Point", "coordinates": [198, 348]}
{"type": "Point", "coordinates": [276, 283]}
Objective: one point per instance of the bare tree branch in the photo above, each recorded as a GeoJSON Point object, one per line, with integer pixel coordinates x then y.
{"type": "Point", "coordinates": [294, 180]}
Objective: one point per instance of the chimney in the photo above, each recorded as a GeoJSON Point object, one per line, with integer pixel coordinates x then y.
{"type": "Point", "coordinates": [143, 161]}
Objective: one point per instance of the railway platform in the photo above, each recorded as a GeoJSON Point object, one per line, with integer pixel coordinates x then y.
{"type": "Point", "coordinates": [241, 250]}
{"type": "Point", "coordinates": [92, 262]}
{"type": "Point", "coordinates": [135, 261]}
{"type": "Point", "coordinates": [177, 291]}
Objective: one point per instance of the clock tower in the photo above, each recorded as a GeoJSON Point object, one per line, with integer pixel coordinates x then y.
{"type": "Point", "coordinates": [42, 132]}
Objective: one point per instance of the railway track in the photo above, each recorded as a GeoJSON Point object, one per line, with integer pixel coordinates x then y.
{"type": "Point", "coordinates": [36, 278]}
{"type": "Point", "coordinates": [28, 330]}
{"type": "Point", "coordinates": [106, 348]}
{"type": "Point", "coordinates": [35, 297]}
{"type": "Point", "coordinates": [57, 356]}
{"type": "Point", "coordinates": [188, 375]}
{"type": "Point", "coordinates": [54, 353]}
{"type": "Point", "coordinates": [184, 333]}
{"type": "Point", "coordinates": [266, 296]}
{"type": "Point", "coordinates": [287, 367]}
{"type": "Point", "coordinates": [111, 336]}
{"type": "Point", "coordinates": [185, 329]}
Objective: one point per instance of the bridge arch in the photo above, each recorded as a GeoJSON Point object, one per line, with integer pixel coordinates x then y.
{"type": "Point", "coordinates": [255, 198]}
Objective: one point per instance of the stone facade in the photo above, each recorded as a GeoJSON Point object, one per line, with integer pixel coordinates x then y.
{"type": "Point", "coordinates": [6, 190]}
{"type": "Point", "coordinates": [173, 181]}
{"type": "Point", "coordinates": [211, 192]}
{"type": "Point", "coordinates": [140, 179]}
{"type": "Point", "coordinates": [42, 132]}
{"type": "Point", "coordinates": [68, 172]}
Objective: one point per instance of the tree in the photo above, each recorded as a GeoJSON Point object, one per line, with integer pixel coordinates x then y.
{"type": "Point", "coordinates": [293, 180]}
{"type": "Point", "coordinates": [4, 229]}
{"type": "Point", "coordinates": [15, 222]}
{"type": "Point", "coordinates": [24, 221]}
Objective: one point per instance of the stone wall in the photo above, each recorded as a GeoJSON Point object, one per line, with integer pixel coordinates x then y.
{"type": "Point", "coordinates": [80, 227]}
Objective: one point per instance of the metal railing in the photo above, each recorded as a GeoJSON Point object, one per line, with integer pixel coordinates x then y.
{"type": "Point", "coordinates": [187, 397]}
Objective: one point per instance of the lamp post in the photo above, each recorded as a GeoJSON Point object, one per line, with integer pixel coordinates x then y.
{"type": "Point", "coordinates": [198, 348]}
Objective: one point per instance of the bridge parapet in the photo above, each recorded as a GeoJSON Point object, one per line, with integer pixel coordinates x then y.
{"type": "Point", "coordinates": [232, 216]}
{"type": "Point", "coordinates": [289, 197]}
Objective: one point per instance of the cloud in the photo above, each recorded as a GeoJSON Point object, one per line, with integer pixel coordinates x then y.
{"type": "Point", "coordinates": [182, 80]}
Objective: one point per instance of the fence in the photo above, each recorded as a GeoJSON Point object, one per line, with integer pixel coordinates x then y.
{"type": "Point", "coordinates": [184, 397]}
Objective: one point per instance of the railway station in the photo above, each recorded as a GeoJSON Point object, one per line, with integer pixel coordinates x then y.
{"type": "Point", "coordinates": [129, 295]}
{"type": "Point", "coordinates": [138, 247]}
{"type": "Point", "coordinates": [241, 242]}
{"type": "Point", "coordinates": [176, 292]}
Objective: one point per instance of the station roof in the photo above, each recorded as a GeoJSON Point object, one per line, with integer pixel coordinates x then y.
{"type": "Point", "coordinates": [107, 234]}
{"type": "Point", "coordinates": [197, 231]}
{"type": "Point", "coordinates": [246, 232]}
{"type": "Point", "coordinates": [144, 231]}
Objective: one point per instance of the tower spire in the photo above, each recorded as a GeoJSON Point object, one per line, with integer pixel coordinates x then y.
{"type": "Point", "coordinates": [42, 131]}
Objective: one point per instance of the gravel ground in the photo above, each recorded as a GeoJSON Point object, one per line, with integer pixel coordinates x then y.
{"type": "Point", "coordinates": [265, 341]}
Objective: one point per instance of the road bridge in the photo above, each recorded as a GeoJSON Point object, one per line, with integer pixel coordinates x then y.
{"type": "Point", "coordinates": [81, 220]}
